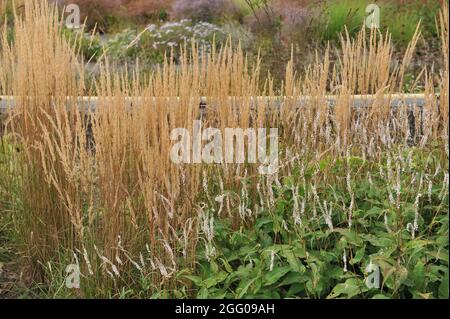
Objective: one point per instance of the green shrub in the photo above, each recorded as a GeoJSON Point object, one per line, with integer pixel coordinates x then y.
{"type": "Point", "coordinates": [401, 21]}
{"type": "Point", "coordinates": [339, 15]}
{"type": "Point", "coordinates": [88, 45]}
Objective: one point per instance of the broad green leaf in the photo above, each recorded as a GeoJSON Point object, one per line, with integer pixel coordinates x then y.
{"type": "Point", "coordinates": [203, 293]}
{"type": "Point", "coordinates": [292, 260]}
{"type": "Point", "coordinates": [350, 288]}
{"type": "Point", "coordinates": [418, 276]}
{"type": "Point", "coordinates": [358, 256]}
{"type": "Point", "coordinates": [241, 291]}
{"type": "Point", "coordinates": [276, 274]}
{"type": "Point", "coordinates": [197, 280]}
{"type": "Point", "coordinates": [295, 289]}
{"type": "Point", "coordinates": [350, 236]}
{"type": "Point", "coordinates": [293, 278]}
{"type": "Point", "coordinates": [299, 250]}
{"type": "Point", "coordinates": [212, 281]}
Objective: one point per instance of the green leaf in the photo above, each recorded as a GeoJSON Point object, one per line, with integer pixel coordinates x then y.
{"type": "Point", "coordinates": [195, 279]}
{"type": "Point", "coordinates": [293, 278]}
{"type": "Point", "coordinates": [295, 289]}
{"type": "Point", "coordinates": [241, 291]}
{"type": "Point", "coordinates": [443, 287]}
{"type": "Point", "coordinates": [358, 256]}
{"type": "Point", "coordinates": [226, 264]}
{"type": "Point", "coordinates": [350, 236]}
{"type": "Point", "coordinates": [263, 221]}
{"type": "Point", "coordinates": [299, 250]}
{"type": "Point", "coordinates": [441, 254]}
{"type": "Point", "coordinates": [418, 276]}
{"type": "Point", "coordinates": [212, 281]}
{"type": "Point", "coordinates": [352, 287]}
{"type": "Point", "coordinates": [276, 274]}
{"type": "Point", "coordinates": [203, 293]}
{"type": "Point", "coordinates": [381, 240]}
{"type": "Point", "coordinates": [214, 266]}
{"type": "Point", "coordinates": [292, 260]}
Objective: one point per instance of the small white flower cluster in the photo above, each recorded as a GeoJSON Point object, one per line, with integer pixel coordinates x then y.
{"type": "Point", "coordinates": [171, 34]}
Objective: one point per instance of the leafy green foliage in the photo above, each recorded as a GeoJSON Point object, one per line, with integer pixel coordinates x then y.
{"type": "Point", "coordinates": [278, 258]}
{"type": "Point", "coordinates": [401, 21]}
{"type": "Point", "coordinates": [88, 45]}
{"type": "Point", "coordinates": [339, 15]}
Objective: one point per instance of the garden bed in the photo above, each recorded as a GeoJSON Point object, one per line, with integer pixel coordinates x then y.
{"type": "Point", "coordinates": [335, 203]}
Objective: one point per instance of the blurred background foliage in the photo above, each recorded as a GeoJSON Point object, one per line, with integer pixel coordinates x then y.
{"type": "Point", "coordinates": [147, 30]}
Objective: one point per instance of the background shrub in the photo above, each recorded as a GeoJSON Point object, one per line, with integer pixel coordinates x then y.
{"type": "Point", "coordinates": [203, 10]}
{"type": "Point", "coordinates": [156, 41]}
{"type": "Point", "coordinates": [339, 15]}
{"type": "Point", "coordinates": [401, 20]}
{"type": "Point", "coordinates": [115, 15]}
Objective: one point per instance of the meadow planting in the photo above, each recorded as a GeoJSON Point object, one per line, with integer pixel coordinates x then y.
{"type": "Point", "coordinates": [354, 203]}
